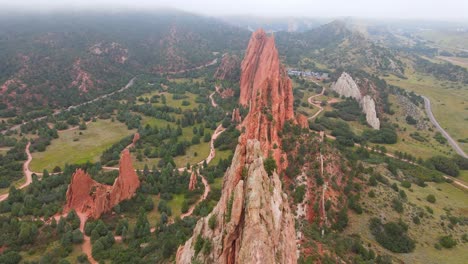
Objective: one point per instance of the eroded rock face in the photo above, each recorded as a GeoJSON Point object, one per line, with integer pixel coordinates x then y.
{"type": "Point", "coordinates": [254, 223]}
{"type": "Point", "coordinates": [228, 69]}
{"type": "Point", "coordinates": [347, 87]}
{"type": "Point", "coordinates": [193, 181]}
{"type": "Point", "coordinates": [236, 117]}
{"type": "Point", "coordinates": [267, 90]}
{"type": "Point", "coordinates": [135, 139]}
{"type": "Point", "coordinates": [93, 199]}
{"type": "Point", "coordinates": [368, 107]}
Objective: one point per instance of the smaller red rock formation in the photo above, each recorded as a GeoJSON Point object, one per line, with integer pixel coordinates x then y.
{"type": "Point", "coordinates": [87, 196]}
{"type": "Point", "coordinates": [136, 137]}
{"type": "Point", "coordinates": [226, 93]}
{"type": "Point", "coordinates": [193, 181]}
{"type": "Point", "coordinates": [302, 120]}
{"type": "Point", "coordinates": [236, 117]}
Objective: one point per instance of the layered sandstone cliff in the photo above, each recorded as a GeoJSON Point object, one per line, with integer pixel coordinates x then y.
{"type": "Point", "coordinates": [89, 197]}
{"type": "Point", "coordinates": [266, 90]}
{"type": "Point", "coordinates": [347, 87]}
{"type": "Point", "coordinates": [253, 223]}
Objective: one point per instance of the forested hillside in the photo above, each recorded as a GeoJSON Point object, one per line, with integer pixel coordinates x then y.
{"type": "Point", "coordinates": [60, 60]}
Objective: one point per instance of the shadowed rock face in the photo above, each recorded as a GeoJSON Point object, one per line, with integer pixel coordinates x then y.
{"type": "Point", "coordinates": [87, 196]}
{"type": "Point", "coordinates": [254, 223]}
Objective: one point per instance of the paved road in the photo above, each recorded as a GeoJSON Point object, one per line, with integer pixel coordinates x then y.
{"type": "Point", "coordinates": [451, 141]}
{"type": "Point", "coordinates": [456, 181]}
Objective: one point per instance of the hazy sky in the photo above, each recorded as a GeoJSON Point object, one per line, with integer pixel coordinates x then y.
{"type": "Point", "coordinates": [428, 9]}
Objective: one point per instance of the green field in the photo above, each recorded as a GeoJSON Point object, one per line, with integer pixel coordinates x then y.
{"type": "Point", "coordinates": [448, 199]}
{"type": "Point", "coordinates": [449, 101]}
{"type": "Point", "coordinates": [463, 175]}
{"type": "Point", "coordinates": [71, 147]}
{"type": "Point", "coordinates": [176, 205]}
{"type": "Point", "coordinates": [177, 103]}
{"type": "Point", "coordinates": [408, 144]}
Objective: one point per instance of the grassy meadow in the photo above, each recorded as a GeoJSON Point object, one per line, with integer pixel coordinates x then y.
{"type": "Point", "coordinates": [71, 147]}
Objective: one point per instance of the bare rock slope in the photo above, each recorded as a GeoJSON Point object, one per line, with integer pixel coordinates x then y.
{"type": "Point", "coordinates": [254, 223]}
{"type": "Point", "coordinates": [347, 87]}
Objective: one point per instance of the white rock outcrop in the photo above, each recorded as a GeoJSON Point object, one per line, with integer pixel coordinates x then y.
{"type": "Point", "coordinates": [368, 107]}
{"type": "Point", "coordinates": [347, 87]}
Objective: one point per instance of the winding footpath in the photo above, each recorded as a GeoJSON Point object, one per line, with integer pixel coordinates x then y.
{"type": "Point", "coordinates": [26, 171]}
{"type": "Point", "coordinates": [451, 141]}
{"type": "Point", "coordinates": [316, 104]}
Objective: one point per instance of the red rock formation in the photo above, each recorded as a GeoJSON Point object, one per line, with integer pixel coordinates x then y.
{"type": "Point", "coordinates": [254, 220]}
{"type": "Point", "coordinates": [226, 93]}
{"type": "Point", "coordinates": [236, 117]}
{"type": "Point", "coordinates": [136, 137]}
{"type": "Point", "coordinates": [266, 88]}
{"type": "Point", "coordinates": [193, 181]}
{"type": "Point", "coordinates": [302, 120]}
{"type": "Point", "coordinates": [87, 196]}
{"type": "Point", "coordinates": [126, 184]}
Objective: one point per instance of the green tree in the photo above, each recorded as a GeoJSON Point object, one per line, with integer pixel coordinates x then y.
{"type": "Point", "coordinates": [270, 165]}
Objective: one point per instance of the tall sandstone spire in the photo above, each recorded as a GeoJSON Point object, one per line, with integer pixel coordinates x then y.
{"type": "Point", "coordinates": [253, 223]}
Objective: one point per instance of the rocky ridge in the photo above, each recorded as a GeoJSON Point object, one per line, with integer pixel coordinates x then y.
{"type": "Point", "coordinates": [347, 87]}
{"type": "Point", "coordinates": [253, 220]}
{"type": "Point", "coordinates": [93, 199]}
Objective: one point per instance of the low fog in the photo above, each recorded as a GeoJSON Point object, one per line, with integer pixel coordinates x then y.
{"type": "Point", "coordinates": [414, 9]}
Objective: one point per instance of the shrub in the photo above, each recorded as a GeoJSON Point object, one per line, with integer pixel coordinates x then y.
{"type": "Point", "coordinates": [392, 236]}
{"type": "Point", "coordinates": [270, 165]}
{"type": "Point", "coordinates": [397, 205]}
{"type": "Point", "coordinates": [299, 194]}
{"type": "Point", "coordinates": [406, 184]}
{"type": "Point", "coordinates": [447, 242]}
{"type": "Point", "coordinates": [445, 165]}
{"type": "Point", "coordinates": [212, 221]}
{"type": "Point", "coordinates": [431, 198]}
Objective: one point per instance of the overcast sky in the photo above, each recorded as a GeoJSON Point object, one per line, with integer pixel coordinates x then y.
{"type": "Point", "coordinates": [427, 9]}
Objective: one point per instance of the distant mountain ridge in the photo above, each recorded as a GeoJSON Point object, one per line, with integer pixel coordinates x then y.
{"type": "Point", "coordinates": [63, 59]}
{"type": "Point", "coordinates": [337, 46]}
